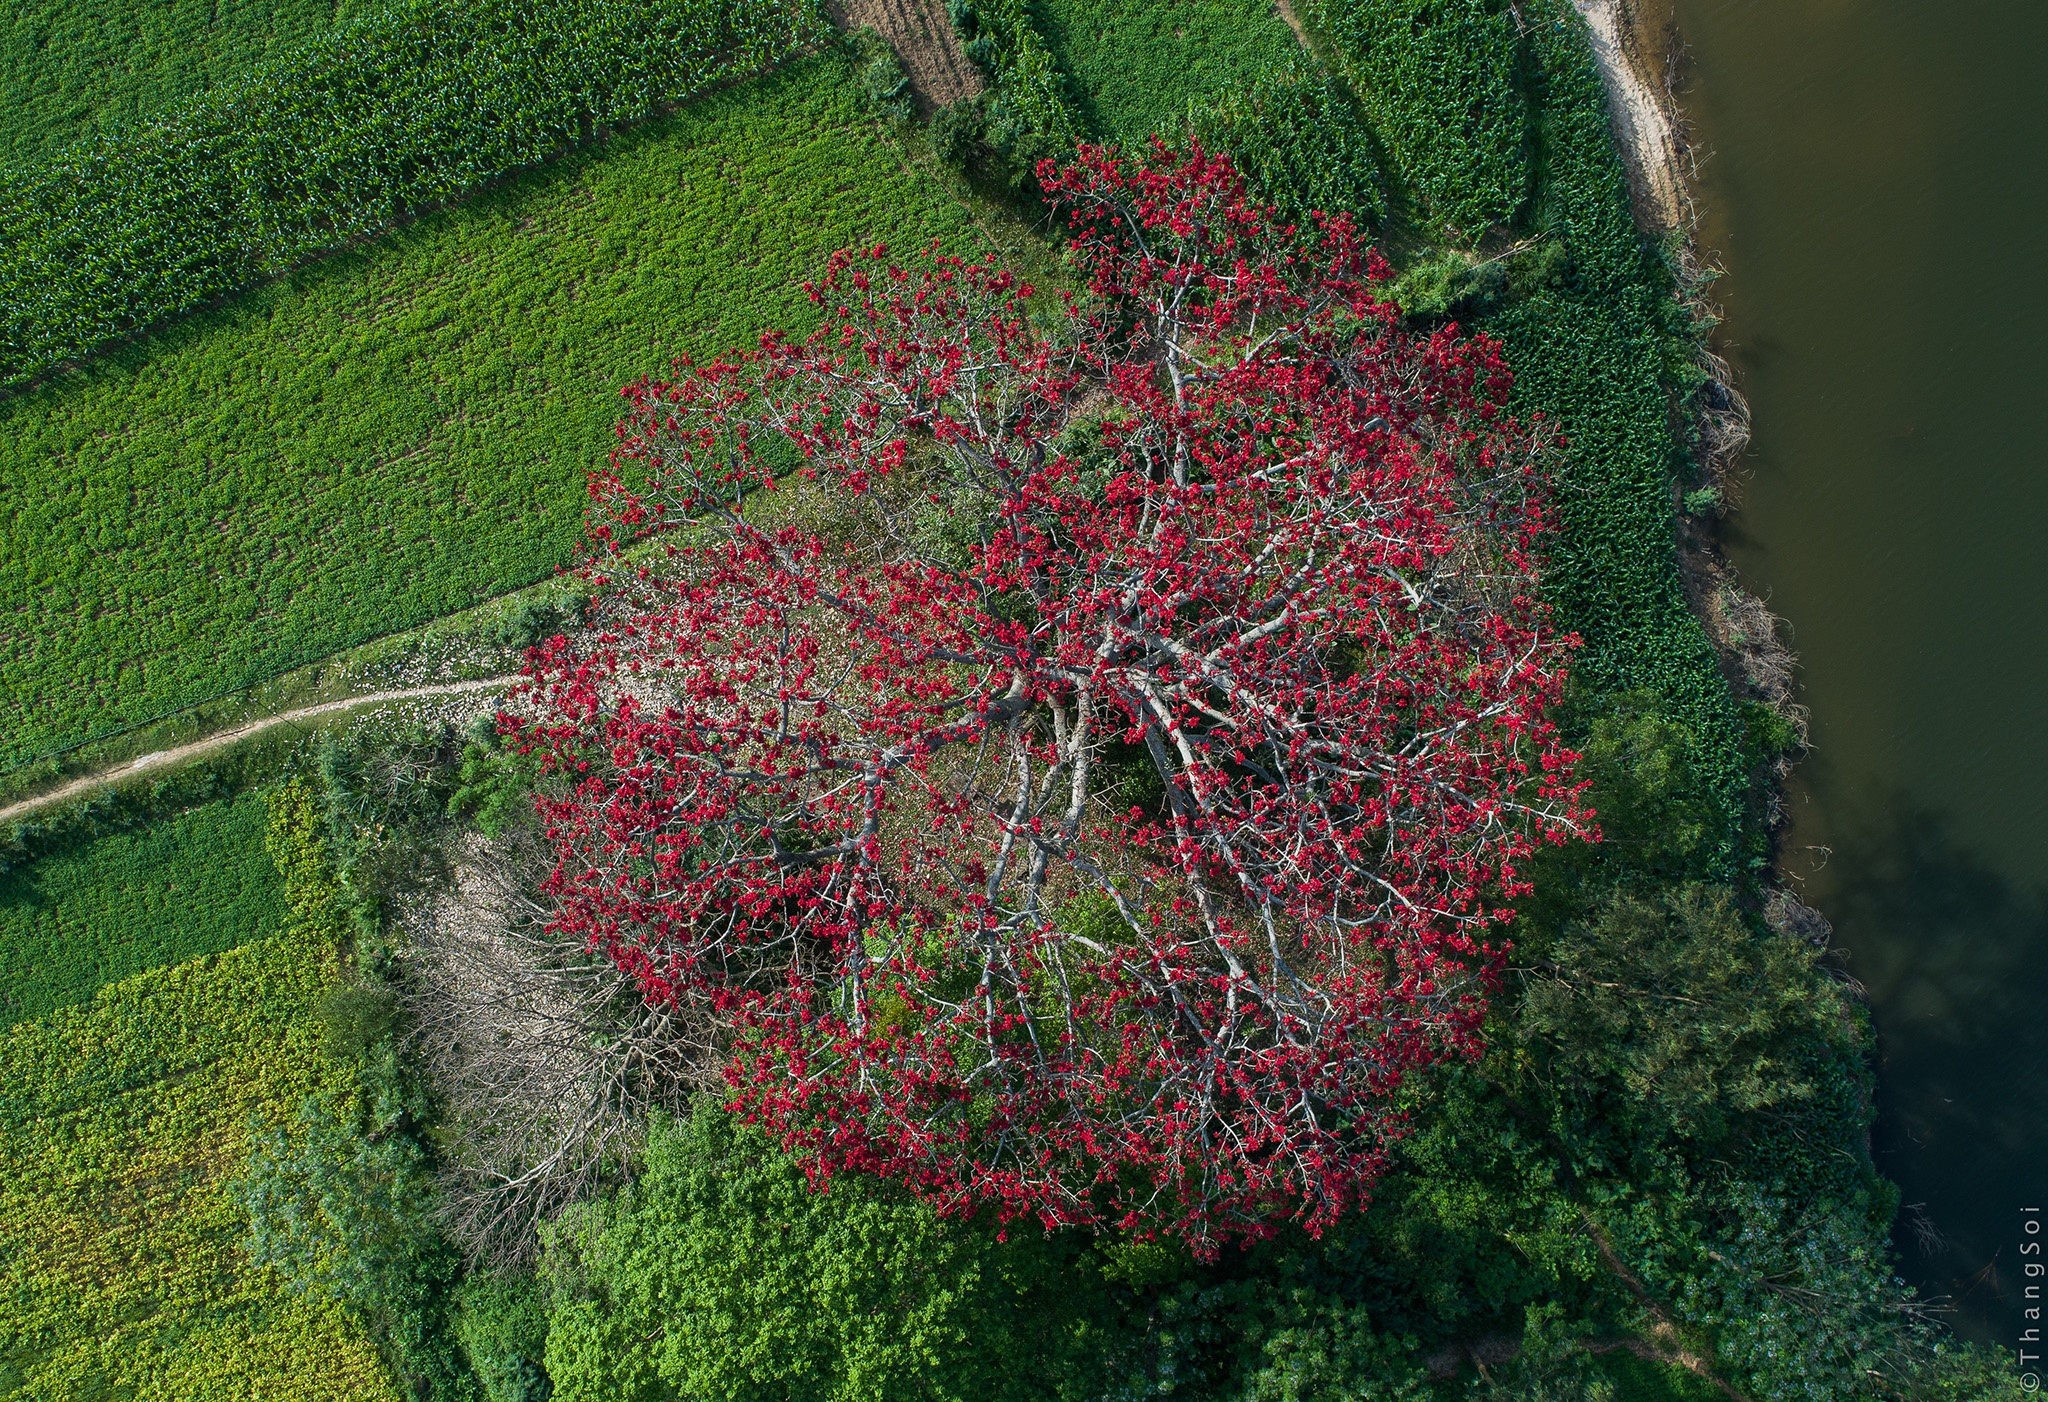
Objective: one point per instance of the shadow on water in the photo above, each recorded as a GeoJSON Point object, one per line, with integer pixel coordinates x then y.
{"type": "Point", "coordinates": [1955, 957]}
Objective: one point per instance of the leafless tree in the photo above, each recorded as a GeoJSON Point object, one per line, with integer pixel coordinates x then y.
{"type": "Point", "coordinates": [547, 1059]}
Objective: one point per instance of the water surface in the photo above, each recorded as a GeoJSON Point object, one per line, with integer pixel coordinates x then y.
{"type": "Point", "coordinates": [1875, 179]}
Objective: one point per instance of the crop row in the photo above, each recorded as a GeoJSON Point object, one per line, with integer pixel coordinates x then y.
{"type": "Point", "coordinates": [1441, 81]}
{"type": "Point", "coordinates": [68, 67]}
{"type": "Point", "coordinates": [406, 109]}
{"type": "Point", "coordinates": [75, 920]}
{"type": "Point", "coordinates": [1136, 65]}
{"type": "Point", "coordinates": [393, 434]}
{"type": "Point", "coordinates": [123, 1123]}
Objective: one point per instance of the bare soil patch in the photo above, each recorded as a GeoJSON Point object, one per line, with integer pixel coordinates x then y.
{"type": "Point", "coordinates": [1645, 122]}
{"type": "Point", "coordinates": [923, 38]}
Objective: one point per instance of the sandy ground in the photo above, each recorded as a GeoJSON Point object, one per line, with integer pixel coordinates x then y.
{"type": "Point", "coordinates": [1644, 122]}
{"type": "Point", "coordinates": [923, 38]}
{"type": "Point", "coordinates": [221, 739]}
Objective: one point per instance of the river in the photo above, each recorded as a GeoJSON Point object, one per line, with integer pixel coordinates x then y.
{"type": "Point", "coordinates": [1875, 179]}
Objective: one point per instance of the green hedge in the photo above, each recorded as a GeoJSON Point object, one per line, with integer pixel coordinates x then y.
{"type": "Point", "coordinates": [404, 110]}
{"type": "Point", "coordinates": [1439, 78]}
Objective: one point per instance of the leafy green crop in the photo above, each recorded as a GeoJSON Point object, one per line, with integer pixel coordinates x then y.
{"type": "Point", "coordinates": [1439, 78]}
{"type": "Point", "coordinates": [399, 431]}
{"type": "Point", "coordinates": [1598, 351]}
{"type": "Point", "coordinates": [406, 109]}
{"type": "Point", "coordinates": [1298, 139]}
{"type": "Point", "coordinates": [122, 1124]}
{"type": "Point", "coordinates": [1137, 64]}
{"type": "Point", "coordinates": [76, 920]}
{"type": "Point", "coordinates": [69, 66]}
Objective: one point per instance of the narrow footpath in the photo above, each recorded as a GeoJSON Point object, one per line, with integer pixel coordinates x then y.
{"type": "Point", "coordinates": [221, 739]}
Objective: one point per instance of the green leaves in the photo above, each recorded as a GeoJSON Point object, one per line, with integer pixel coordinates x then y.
{"type": "Point", "coordinates": [1440, 80]}
{"type": "Point", "coordinates": [724, 1273]}
{"type": "Point", "coordinates": [405, 110]}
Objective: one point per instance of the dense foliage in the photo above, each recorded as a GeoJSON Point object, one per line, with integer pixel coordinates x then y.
{"type": "Point", "coordinates": [122, 1123]}
{"type": "Point", "coordinates": [1295, 585]}
{"type": "Point", "coordinates": [1441, 80]}
{"type": "Point", "coordinates": [406, 109]}
{"type": "Point", "coordinates": [724, 1273]}
{"type": "Point", "coordinates": [1601, 347]}
{"type": "Point", "coordinates": [98, 910]}
{"type": "Point", "coordinates": [400, 431]}
{"type": "Point", "coordinates": [70, 66]}
{"type": "Point", "coordinates": [1299, 140]}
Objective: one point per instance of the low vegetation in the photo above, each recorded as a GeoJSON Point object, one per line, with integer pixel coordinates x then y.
{"type": "Point", "coordinates": [98, 910]}
{"type": "Point", "coordinates": [124, 1124]}
{"type": "Point", "coordinates": [409, 108]}
{"type": "Point", "coordinates": [71, 67]}
{"type": "Point", "coordinates": [398, 432]}
{"type": "Point", "coordinates": [1135, 66]}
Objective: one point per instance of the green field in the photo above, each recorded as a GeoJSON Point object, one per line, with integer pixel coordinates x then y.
{"type": "Point", "coordinates": [123, 1123]}
{"type": "Point", "coordinates": [396, 433]}
{"type": "Point", "coordinates": [1136, 65]}
{"type": "Point", "coordinates": [70, 922]}
{"type": "Point", "coordinates": [66, 65]}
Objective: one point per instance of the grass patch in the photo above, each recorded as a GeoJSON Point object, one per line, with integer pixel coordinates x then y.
{"type": "Point", "coordinates": [68, 66]}
{"type": "Point", "coordinates": [73, 921]}
{"type": "Point", "coordinates": [1135, 65]}
{"type": "Point", "coordinates": [397, 433]}
{"type": "Point", "coordinates": [122, 1123]}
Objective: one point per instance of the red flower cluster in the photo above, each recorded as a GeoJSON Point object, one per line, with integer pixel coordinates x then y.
{"type": "Point", "coordinates": [1110, 849]}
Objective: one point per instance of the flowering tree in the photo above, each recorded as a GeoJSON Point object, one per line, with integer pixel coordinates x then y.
{"type": "Point", "coordinates": [1110, 852]}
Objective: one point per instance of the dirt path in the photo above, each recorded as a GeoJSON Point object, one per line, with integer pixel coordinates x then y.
{"type": "Point", "coordinates": [1644, 123]}
{"type": "Point", "coordinates": [221, 739]}
{"type": "Point", "coordinates": [923, 38]}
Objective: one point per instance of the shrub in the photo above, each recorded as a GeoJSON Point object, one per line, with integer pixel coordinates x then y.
{"type": "Point", "coordinates": [725, 1273]}
{"type": "Point", "coordinates": [1440, 80]}
{"type": "Point", "coordinates": [502, 1324]}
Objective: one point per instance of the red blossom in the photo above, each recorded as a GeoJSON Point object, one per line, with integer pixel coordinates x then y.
{"type": "Point", "coordinates": [873, 808]}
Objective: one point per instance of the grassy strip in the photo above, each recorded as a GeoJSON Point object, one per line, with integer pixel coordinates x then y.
{"type": "Point", "coordinates": [68, 67]}
{"type": "Point", "coordinates": [1137, 64]}
{"type": "Point", "coordinates": [1600, 349]}
{"type": "Point", "coordinates": [122, 1123]}
{"type": "Point", "coordinates": [77, 920]}
{"type": "Point", "coordinates": [402, 431]}
{"type": "Point", "coordinates": [409, 108]}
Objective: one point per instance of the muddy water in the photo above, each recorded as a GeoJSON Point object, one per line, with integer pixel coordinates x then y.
{"type": "Point", "coordinates": [1875, 178]}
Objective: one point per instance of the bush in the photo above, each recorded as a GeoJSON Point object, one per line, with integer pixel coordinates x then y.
{"type": "Point", "coordinates": [1029, 110]}
{"type": "Point", "coordinates": [1440, 81]}
{"type": "Point", "coordinates": [881, 77]}
{"type": "Point", "coordinates": [502, 1323]}
{"type": "Point", "coordinates": [725, 1273]}
{"type": "Point", "coordinates": [403, 110]}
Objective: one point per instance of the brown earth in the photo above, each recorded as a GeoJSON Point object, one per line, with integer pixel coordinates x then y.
{"type": "Point", "coordinates": [924, 40]}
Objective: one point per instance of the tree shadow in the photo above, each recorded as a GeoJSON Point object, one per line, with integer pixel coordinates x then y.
{"type": "Point", "coordinates": [1954, 955]}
